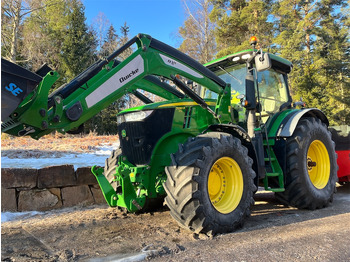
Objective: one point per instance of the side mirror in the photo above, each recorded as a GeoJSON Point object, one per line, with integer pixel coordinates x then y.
{"type": "Point", "coordinates": [262, 62]}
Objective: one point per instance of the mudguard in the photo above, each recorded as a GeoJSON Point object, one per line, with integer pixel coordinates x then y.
{"type": "Point", "coordinates": [251, 144]}
{"type": "Point", "coordinates": [289, 123]}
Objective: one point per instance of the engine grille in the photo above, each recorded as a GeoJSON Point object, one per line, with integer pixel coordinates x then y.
{"type": "Point", "coordinates": [138, 139]}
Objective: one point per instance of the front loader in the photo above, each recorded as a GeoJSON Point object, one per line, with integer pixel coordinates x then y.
{"type": "Point", "coordinates": [222, 130]}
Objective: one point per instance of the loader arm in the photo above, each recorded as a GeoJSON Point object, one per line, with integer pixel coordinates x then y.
{"type": "Point", "coordinates": [106, 81]}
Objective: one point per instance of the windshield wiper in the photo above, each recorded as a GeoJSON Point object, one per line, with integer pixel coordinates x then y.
{"type": "Point", "coordinates": [235, 78]}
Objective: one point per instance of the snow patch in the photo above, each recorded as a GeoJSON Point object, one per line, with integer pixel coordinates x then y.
{"type": "Point", "coordinates": [12, 216]}
{"type": "Point", "coordinates": [106, 149]}
{"type": "Point", "coordinates": [141, 256]}
{"type": "Point", "coordinates": [76, 159]}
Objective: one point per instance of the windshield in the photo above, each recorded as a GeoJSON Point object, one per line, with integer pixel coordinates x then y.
{"type": "Point", "coordinates": [234, 75]}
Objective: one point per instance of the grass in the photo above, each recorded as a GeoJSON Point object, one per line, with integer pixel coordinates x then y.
{"type": "Point", "coordinates": [57, 142]}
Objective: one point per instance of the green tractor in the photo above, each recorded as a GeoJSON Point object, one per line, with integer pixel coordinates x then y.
{"type": "Point", "coordinates": [220, 131]}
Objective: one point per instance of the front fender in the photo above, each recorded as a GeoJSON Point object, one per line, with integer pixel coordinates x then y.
{"type": "Point", "coordinates": [250, 144]}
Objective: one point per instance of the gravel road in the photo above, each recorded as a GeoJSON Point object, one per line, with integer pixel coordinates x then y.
{"type": "Point", "coordinates": [99, 233]}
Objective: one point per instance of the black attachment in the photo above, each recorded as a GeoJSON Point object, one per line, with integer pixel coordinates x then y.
{"type": "Point", "coordinates": [42, 112]}
{"type": "Point", "coordinates": [74, 112]}
{"type": "Point", "coordinates": [16, 84]}
{"type": "Point", "coordinates": [170, 89]}
{"type": "Point", "coordinates": [192, 94]}
{"type": "Point", "coordinates": [77, 130]}
{"type": "Point", "coordinates": [43, 70]}
{"type": "Point", "coordinates": [250, 100]}
{"type": "Point", "coordinates": [259, 149]}
{"type": "Point", "coordinates": [142, 97]}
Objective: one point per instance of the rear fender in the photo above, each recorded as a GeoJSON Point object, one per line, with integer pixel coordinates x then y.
{"type": "Point", "coordinates": [288, 125]}
{"type": "Point", "coordinates": [284, 125]}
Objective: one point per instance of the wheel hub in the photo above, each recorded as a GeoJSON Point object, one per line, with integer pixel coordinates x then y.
{"type": "Point", "coordinates": [318, 164]}
{"type": "Point", "coordinates": [310, 164]}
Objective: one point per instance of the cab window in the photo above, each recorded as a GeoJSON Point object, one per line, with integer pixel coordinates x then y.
{"type": "Point", "coordinates": [272, 91]}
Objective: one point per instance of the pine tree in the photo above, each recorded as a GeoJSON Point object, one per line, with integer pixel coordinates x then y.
{"type": "Point", "coordinates": [14, 16]}
{"type": "Point", "coordinates": [111, 42]}
{"type": "Point", "coordinates": [312, 36]}
{"type": "Point", "coordinates": [78, 47]}
{"type": "Point", "coordinates": [333, 50]}
{"type": "Point", "coordinates": [105, 122]}
{"type": "Point", "coordinates": [238, 20]}
{"type": "Point", "coordinates": [124, 38]}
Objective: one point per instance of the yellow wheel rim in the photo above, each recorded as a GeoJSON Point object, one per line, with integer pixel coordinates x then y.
{"type": "Point", "coordinates": [318, 164]}
{"type": "Point", "coordinates": [225, 185]}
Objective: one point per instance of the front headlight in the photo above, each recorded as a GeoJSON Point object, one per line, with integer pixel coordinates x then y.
{"type": "Point", "coordinates": [120, 119]}
{"type": "Point", "coordinates": [246, 56]}
{"type": "Point", "coordinates": [133, 116]}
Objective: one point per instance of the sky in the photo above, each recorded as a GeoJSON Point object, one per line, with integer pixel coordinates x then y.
{"type": "Point", "coordinates": [158, 18]}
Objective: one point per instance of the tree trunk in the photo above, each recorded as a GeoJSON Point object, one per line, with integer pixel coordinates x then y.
{"type": "Point", "coordinates": [16, 23]}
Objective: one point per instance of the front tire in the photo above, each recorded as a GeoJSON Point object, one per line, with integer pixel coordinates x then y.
{"type": "Point", "coordinates": [111, 165]}
{"type": "Point", "coordinates": [210, 184]}
{"type": "Point", "coordinates": [311, 166]}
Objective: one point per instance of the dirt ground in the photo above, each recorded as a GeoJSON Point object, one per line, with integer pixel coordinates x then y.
{"type": "Point", "coordinates": [272, 233]}
{"type": "Point", "coordinates": [99, 233]}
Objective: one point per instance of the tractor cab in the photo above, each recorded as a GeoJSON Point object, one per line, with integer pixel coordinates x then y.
{"type": "Point", "coordinates": [270, 84]}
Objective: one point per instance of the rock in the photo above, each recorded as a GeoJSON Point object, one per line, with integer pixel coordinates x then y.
{"type": "Point", "coordinates": [56, 192]}
{"type": "Point", "coordinates": [39, 200]}
{"type": "Point", "coordinates": [77, 195]}
{"type": "Point", "coordinates": [18, 177]}
{"type": "Point", "coordinates": [98, 196]}
{"type": "Point", "coordinates": [8, 200]}
{"type": "Point", "coordinates": [56, 176]}
{"type": "Point", "coordinates": [85, 176]}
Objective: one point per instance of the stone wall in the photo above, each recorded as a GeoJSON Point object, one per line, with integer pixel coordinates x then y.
{"type": "Point", "coordinates": [24, 189]}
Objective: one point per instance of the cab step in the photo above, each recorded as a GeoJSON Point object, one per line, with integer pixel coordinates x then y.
{"type": "Point", "coordinates": [272, 174]}
{"type": "Point", "coordinates": [275, 171]}
{"type": "Point", "coordinates": [275, 189]}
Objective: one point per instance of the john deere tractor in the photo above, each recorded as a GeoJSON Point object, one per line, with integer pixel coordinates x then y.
{"type": "Point", "coordinates": [220, 131]}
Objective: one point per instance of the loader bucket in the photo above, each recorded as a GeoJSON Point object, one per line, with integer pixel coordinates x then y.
{"type": "Point", "coordinates": [16, 84]}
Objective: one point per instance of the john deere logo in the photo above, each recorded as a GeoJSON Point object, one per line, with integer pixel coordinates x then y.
{"type": "Point", "coordinates": [123, 133]}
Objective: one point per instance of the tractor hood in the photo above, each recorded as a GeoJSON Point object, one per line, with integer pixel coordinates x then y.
{"type": "Point", "coordinates": [167, 104]}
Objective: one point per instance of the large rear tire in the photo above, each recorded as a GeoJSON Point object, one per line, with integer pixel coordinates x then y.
{"type": "Point", "coordinates": [210, 184]}
{"type": "Point", "coordinates": [311, 166]}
